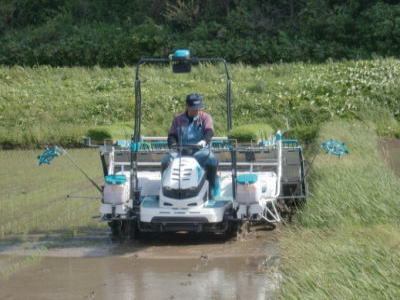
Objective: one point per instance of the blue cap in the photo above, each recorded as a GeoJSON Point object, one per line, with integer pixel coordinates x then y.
{"type": "Point", "coordinates": [195, 101]}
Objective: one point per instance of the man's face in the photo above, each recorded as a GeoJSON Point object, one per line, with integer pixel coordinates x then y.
{"type": "Point", "coordinates": [193, 112]}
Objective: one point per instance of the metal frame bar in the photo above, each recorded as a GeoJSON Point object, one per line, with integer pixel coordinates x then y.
{"type": "Point", "coordinates": [222, 164]}
{"type": "Point", "coordinates": [138, 96]}
{"type": "Point", "coordinates": [138, 110]}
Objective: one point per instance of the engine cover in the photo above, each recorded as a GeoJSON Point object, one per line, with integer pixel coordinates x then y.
{"type": "Point", "coordinates": [184, 178]}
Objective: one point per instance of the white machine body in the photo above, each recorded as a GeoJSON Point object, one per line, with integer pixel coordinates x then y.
{"type": "Point", "coordinates": [253, 198]}
{"type": "Point", "coordinates": [182, 193]}
{"type": "Point", "coordinates": [253, 193]}
{"type": "Point", "coordinates": [183, 173]}
{"type": "Point", "coordinates": [116, 194]}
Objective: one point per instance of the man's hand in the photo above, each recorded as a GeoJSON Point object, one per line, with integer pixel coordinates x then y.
{"type": "Point", "coordinates": [201, 144]}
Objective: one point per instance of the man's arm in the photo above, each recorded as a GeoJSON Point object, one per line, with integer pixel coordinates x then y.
{"type": "Point", "coordinates": [208, 128]}
{"type": "Point", "coordinates": [172, 134]}
{"type": "Point", "coordinates": [171, 140]}
{"type": "Point", "coordinates": [209, 133]}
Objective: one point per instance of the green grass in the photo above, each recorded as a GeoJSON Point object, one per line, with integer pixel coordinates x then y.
{"type": "Point", "coordinates": [356, 189]}
{"type": "Point", "coordinates": [341, 263]}
{"type": "Point", "coordinates": [345, 243]}
{"type": "Point", "coordinates": [43, 105]}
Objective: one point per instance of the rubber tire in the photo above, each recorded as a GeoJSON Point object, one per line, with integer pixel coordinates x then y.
{"type": "Point", "coordinates": [134, 232]}
{"type": "Point", "coordinates": [116, 229]}
{"type": "Point", "coordinates": [233, 230]}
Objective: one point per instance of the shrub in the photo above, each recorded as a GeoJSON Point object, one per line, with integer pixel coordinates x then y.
{"type": "Point", "coordinates": [304, 133]}
{"type": "Point", "coordinates": [251, 132]}
{"type": "Point", "coordinates": [116, 131]}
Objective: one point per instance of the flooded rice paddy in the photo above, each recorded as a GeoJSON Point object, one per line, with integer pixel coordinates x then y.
{"type": "Point", "coordinates": [170, 266]}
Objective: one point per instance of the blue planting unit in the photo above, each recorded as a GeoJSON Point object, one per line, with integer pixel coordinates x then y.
{"type": "Point", "coordinates": [247, 178]}
{"type": "Point", "coordinates": [115, 179]}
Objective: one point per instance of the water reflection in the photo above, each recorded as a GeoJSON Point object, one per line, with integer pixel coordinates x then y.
{"type": "Point", "coordinates": [129, 278]}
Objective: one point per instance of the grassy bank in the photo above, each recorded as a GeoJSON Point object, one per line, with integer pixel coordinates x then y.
{"type": "Point", "coordinates": [44, 104]}
{"type": "Point", "coordinates": [345, 243]}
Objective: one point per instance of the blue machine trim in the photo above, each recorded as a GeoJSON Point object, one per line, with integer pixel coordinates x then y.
{"type": "Point", "coordinates": [122, 143]}
{"type": "Point", "coordinates": [159, 145]}
{"type": "Point", "coordinates": [199, 173]}
{"type": "Point", "coordinates": [140, 146]}
{"type": "Point", "coordinates": [135, 147]}
{"type": "Point", "coordinates": [115, 179]}
{"type": "Point", "coordinates": [266, 143]}
{"type": "Point", "coordinates": [218, 144]}
{"type": "Point", "coordinates": [182, 53]}
{"type": "Point", "coordinates": [247, 178]}
{"type": "Point", "coordinates": [217, 187]}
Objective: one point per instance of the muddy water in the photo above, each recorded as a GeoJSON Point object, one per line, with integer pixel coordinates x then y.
{"type": "Point", "coordinates": [118, 278]}
{"type": "Point", "coordinates": [168, 267]}
{"type": "Point", "coordinates": [391, 152]}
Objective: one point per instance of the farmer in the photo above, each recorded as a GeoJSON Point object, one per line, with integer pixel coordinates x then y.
{"type": "Point", "coordinates": [194, 127]}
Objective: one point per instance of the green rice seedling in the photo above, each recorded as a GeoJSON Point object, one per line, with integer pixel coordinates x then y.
{"type": "Point", "coordinates": [114, 131]}
{"type": "Point", "coordinates": [33, 198]}
{"type": "Point", "coordinates": [54, 216]}
{"type": "Point", "coordinates": [251, 132]}
{"type": "Point", "coordinates": [21, 176]}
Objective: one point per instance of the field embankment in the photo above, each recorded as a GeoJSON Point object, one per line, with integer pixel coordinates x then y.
{"type": "Point", "coordinates": [43, 105]}
{"type": "Point", "coordinates": [345, 243]}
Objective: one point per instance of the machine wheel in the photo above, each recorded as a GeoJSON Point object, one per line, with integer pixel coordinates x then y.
{"type": "Point", "coordinates": [116, 228]}
{"type": "Point", "coordinates": [233, 230]}
{"type": "Point", "coordinates": [134, 232]}
{"type": "Point", "coordinates": [119, 229]}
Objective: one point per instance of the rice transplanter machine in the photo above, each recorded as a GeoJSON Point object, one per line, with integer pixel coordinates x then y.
{"type": "Point", "coordinates": [259, 182]}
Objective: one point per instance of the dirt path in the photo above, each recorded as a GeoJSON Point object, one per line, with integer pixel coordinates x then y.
{"type": "Point", "coordinates": [391, 153]}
